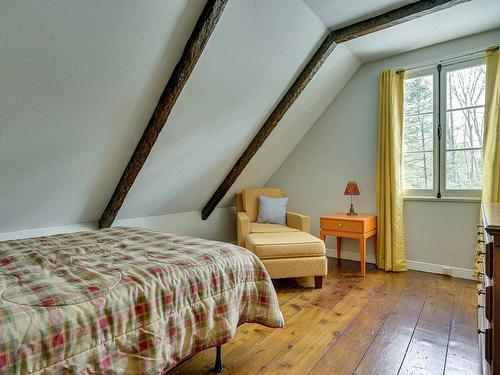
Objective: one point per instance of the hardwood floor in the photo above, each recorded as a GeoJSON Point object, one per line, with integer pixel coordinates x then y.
{"type": "Point", "coordinates": [384, 323]}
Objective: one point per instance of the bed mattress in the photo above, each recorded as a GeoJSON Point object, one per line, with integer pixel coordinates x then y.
{"type": "Point", "coordinates": [124, 300]}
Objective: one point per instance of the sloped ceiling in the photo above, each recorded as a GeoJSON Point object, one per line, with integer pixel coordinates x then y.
{"type": "Point", "coordinates": [79, 81]}
{"type": "Point", "coordinates": [465, 19]}
{"type": "Point", "coordinates": [340, 13]}
{"type": "Point", "coordinates": [238, 80]}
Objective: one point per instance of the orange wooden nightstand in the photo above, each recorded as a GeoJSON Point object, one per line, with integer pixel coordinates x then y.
{"type": "Point", "coordinates": [359, 227]}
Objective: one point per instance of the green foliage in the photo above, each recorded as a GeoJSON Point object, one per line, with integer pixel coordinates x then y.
{"type": "Point", "coordinates": [464, 129]}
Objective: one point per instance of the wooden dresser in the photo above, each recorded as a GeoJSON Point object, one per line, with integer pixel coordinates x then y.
{"type": "Point", "coordinates": [488, 293]}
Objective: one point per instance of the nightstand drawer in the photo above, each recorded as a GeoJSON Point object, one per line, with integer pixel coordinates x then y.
{"type": "Point", "coordinates": [342, 225]}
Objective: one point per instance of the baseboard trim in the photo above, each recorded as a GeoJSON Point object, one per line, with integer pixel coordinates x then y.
{"type": "Point", "coordinates": [463, 273]}
{"type": "Point", "coordinates": [349, 255]}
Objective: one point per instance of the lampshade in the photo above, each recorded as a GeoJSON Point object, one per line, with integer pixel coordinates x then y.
{"type": "Point", "coordinates": [351, 188]}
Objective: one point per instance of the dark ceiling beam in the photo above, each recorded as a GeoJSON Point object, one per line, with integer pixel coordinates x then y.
{"type": "Point", "coordinates": [394, 17]}
{"type": "Point", "coordinates": [202, 31]}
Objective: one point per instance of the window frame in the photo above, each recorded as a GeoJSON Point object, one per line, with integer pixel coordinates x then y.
{"type": "Point", "coordinates": [439, 87]}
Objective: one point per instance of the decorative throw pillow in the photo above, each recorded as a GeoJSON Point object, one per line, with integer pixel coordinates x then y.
{"type": "Point", "coordinates": [272, 210]}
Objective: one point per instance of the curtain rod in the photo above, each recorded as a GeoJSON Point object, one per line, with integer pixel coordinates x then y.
{"type": "Point", "coordinates": [442, 62]}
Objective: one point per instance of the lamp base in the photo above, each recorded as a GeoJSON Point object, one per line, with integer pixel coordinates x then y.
{"type": "Point", "coordinates": [351, 211]}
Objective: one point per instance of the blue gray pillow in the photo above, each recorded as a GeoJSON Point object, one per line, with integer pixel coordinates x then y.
{"type": "Point", "coordinates": [272, 210]}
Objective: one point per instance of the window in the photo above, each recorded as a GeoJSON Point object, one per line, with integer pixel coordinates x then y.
{"type": "Point", "coordinates": [443, 131]}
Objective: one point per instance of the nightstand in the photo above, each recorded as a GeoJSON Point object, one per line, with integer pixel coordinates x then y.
{"type": "Point", "coordinates": [358, 227]}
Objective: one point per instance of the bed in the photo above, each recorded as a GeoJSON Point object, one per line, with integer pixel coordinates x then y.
{"type": "Point", "coordinates": [124, 300]}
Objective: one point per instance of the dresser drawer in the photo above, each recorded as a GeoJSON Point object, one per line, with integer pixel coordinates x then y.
{"type": "Point", "coordinates": [488, 345]}
{"type": "Point", "coordinates": [488, 301]}
{"type": "Point", "coordinates": [488, 259]}
{"type": "Point", "coordinates": [342, 225]}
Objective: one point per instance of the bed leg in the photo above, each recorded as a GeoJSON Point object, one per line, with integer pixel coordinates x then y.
{"type": "Point", "coordinates": [218, 359]}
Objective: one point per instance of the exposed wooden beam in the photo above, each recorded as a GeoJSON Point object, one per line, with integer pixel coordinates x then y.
{"type": "Point", "coordinates": [382, 21]}
{"type": "Point", "coordinates": [392, 18]}
{"type": "Point", "coordinates": [192, 51]}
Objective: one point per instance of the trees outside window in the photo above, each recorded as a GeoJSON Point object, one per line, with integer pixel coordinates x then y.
{"type": "Point", "coordinates": [418, 133]}
{"type": "Point", "coordinates": [443, 130]}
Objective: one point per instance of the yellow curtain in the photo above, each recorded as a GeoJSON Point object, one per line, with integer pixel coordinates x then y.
{"type": "Point", "coordinates": [491, 143]}
{"type": "Point", "coordinates": [491, 140]}
{"type": "Point", "coordinates": [391, 244]}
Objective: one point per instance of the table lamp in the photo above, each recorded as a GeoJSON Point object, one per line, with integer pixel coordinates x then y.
{"type": "Point", "coordinates": [351, 189]}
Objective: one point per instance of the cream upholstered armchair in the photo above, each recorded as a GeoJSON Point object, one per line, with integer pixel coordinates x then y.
{"type": "Point", "coordinates": [286, 250]}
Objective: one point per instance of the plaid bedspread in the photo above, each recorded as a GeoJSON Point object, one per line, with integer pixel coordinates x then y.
{"type": "Point", "coordinates": [124, 300]}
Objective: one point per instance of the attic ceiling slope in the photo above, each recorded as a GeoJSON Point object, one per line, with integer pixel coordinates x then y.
{"type": "Point", "coordinates": [470, 18]}
{"type": "Point", "coordinates": [340, 13]}
{"type": "Point", "coordinates": [474, 17]}
{"type": "Point", "coordinates": [335, 73]}
{"type": "Point", "coordinates": [79, 82]}
{"type": "Point", "coordinates": [196, 43]}
{"type": "Point", "coordinates": [272, 121]}
{"type": "Point", "coordinates": [256, 49]}
{"type": "Point", "coordinates": [394, 17]}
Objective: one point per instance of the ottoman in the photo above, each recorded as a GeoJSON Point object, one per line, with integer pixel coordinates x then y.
{"type": "Point", "coordinates": [290, 254]}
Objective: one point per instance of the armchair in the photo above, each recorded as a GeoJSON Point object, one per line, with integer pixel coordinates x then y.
{"type": "Point", "coordinates": [286, 250]}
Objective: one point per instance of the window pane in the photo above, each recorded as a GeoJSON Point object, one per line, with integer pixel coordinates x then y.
{"type": "Point", "coordinates": [418, 133]}
{"type": "Point", "coordinates": [418, 95]}
{"type": "Point", "coordinates": [465, 87]}
{"type": "Point", "coordinates": [464, 169]}
{"type": "Point", "coordinates": [464, 128]}
{"type": "Point", "coordinates": [418, 170]}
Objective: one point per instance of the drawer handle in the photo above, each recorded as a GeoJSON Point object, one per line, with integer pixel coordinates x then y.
{"type": "Point", "coordinates": [480, 331]}
{"type": "Point", "coordinates": [340, 224]}
{"type": "Point", "coordinates": [481, 291]}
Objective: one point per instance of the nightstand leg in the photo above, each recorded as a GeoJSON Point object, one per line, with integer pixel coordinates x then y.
{"type": "Point", "coordinates": [339, 246]}
{"type": "Point", "coordinates": [362, 253]}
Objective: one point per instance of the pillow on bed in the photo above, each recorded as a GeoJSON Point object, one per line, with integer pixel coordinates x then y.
{"type": "Point", "coordinates": [272, 210]}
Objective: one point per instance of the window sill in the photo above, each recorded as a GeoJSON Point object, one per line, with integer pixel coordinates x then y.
{"type": "Point", "coordinates": [447, 199]}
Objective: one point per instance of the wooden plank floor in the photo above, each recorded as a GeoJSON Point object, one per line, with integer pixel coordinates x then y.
{"type": "Point", "coordinates": [384, 323]}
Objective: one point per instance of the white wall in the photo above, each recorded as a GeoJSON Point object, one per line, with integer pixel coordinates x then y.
{"type": "Point", "coordinates": [222, 227]}
{"type": "Point", "coordinates": [341, 146]}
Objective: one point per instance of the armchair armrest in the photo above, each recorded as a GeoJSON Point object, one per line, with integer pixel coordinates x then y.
{"type": "Point", "coordinates": [298, 221]}
{"type": "Point", "coordinates": [242, 227]}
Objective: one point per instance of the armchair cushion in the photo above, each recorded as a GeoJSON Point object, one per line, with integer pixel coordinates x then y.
{"type": "Point", "coordinates": [284, 245]}
{"type": "Point", "coordinates": [250, 198]}
{"type": "Point", "coordinates": [270, 228]}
